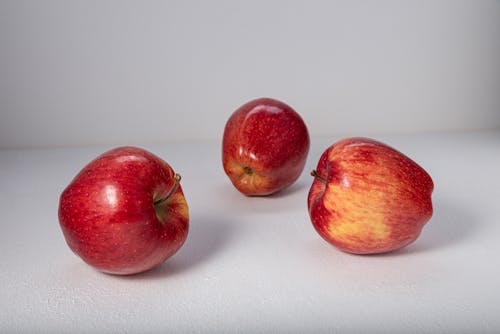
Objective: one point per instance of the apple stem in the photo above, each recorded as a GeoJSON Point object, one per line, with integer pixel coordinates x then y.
{"type": "Point", "coordinates": [317, 176]}
{"type": "Point", "coordinates": [177, 179]}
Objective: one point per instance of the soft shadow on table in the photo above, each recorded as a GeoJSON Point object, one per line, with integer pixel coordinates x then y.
{"type": "Point", "coordinates": [291, 190]}
{"type": "Point", "coordinates": [452, 223]}
{"type": "Point", "coordinates": [283, 201]}
{"type": "Point", "coordinates": [207, 236]}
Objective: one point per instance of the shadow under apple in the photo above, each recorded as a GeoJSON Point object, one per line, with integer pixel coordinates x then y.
{"type": "Point", "coordinates": [207, 236]}
{"type": "Point", "coordinates": [290, 199]}
{"type": "Point", "coordinates": [452, 223]}
{"type": "Point", "coordinates": [293, 189]}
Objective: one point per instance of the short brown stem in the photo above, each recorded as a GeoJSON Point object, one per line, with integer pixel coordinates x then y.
{"type": "Point", "coordinates": [177, 179]}
{"type": "Point", "coordinates": [317, 176]}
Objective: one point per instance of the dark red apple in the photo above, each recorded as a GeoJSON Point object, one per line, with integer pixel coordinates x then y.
{"type": "Point", "coordinates": [264, 147]}
{"type": "Point", "coordinates": [125, 212]}
{"type": "Point", "coordinates": [369, 198]}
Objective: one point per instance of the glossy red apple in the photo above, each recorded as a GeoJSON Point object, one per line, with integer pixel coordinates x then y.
{"type": "Point", "coordinates": [265, 146]}
{"type": "Point", "coordinates": [125, 212]}
{"type": "Point", "coordinates": [369, 198]}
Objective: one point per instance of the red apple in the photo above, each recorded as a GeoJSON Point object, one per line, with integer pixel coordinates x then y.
{"type": "Point", "coordinates": [125, 212]}
{"type": "Point", "coordinates": [265, 146]}
{"type": "Point", "coordinates": [369, 198]}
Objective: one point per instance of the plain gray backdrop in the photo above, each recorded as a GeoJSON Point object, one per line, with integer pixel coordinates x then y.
{"type": "Point", "coordinates": [130, 72]}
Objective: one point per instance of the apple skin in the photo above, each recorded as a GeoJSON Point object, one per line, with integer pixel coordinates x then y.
{"type": "Point", "coordinates": [368, 198]}
{"type": "Point", "coordinates": [264, 147]}
{"type": "Point", "coordinates": [109, 217]}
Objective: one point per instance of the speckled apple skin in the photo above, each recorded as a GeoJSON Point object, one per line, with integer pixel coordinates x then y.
{"type": "Point", "coordinates": [108, 217]}
{"type": "Point", "coordinates": [268, 137]}
{"type": "Point", "coordinates": [375, 199]}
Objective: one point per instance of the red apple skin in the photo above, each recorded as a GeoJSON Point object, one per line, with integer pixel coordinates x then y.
{"type": "Point", "coordinates": [108, 216]}
{"type": "Point", "coordinates": [368, 198]}
{"type": "Point", "coordinates": [264, 147]}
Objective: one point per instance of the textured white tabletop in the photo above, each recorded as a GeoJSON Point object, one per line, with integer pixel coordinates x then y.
{"type": "Point", "coordinates": [254, 265]}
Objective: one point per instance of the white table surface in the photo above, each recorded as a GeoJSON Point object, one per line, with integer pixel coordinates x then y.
{"type": "Point", "coordinates": [254, 265]}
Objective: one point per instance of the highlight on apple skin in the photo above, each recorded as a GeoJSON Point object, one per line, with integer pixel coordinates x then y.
{"type": "Point", "coordinates": [124, 212]}
{"type": "Point", "coordinates": [264, 147]}
{"type": "Point", "coordinates": [368, 198]}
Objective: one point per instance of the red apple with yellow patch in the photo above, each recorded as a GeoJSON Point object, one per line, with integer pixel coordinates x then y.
{"type": "Point", "coordinates": [368, 198]}
{"type": "Point", "coordinates": [264, 147]}
{"type": "Point", "coordinates": [124, 212]}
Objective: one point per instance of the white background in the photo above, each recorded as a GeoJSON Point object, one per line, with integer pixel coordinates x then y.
{"type": "Point", "coordinates": [128, 72]}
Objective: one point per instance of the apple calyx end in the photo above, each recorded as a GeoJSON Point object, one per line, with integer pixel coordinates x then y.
{"type": "Point", "coordinates": [248, 170]}
{"type": "Point", "coordinates": [317, 176]}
